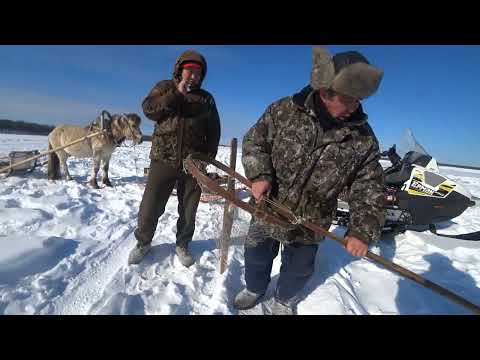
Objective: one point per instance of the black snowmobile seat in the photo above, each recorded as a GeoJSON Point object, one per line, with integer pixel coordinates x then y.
{"type": "Point", "coordinates": [396, 176]}
{"type": "Point", "coordinates": [413, 157]}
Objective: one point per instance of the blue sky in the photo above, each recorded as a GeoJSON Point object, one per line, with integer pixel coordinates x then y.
{"type": "Point", "coordinates": [434, 90]}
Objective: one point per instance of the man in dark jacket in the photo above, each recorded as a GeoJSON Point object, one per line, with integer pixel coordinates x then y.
{"type": "Point", "coordinates": [304, 150]}
{"type": "Point", "coordinates": [187, 121]}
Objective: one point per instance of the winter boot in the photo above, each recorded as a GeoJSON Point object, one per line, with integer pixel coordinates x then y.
{"type": "Point", "coordinates": [246, 299]}
{"type": "Point", "coordinates": [138, 253]}
{"type": "Point", "coordinates": [184, 256]}
{"type": "Point", "coordinates": [279, 308]}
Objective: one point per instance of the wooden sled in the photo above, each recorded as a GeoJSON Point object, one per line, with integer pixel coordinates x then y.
{"type": "Point", "coordinates": [16, 157]}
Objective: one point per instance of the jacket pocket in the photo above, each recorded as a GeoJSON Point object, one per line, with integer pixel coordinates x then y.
{"type": "Point", "coordinates": [167, 126]}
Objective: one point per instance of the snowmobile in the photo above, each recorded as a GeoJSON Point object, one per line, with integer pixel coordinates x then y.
{"type": "Point", "coordinates": [417, 195]}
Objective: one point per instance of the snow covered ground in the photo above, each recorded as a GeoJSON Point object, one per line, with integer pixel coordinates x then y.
{"type": "Point", "coordinates": [64, 247]}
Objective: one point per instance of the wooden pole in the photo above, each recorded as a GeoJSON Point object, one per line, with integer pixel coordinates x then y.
{"type": "Point", "coordinates": [49, 151]}
{"type": "Point", "coordinates": [228, 211]}
{"type": "Point", "coordinates": [401, 270]}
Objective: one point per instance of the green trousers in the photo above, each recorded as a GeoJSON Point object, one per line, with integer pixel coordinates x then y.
{"type": "Point", "coordinates": [161, 181]}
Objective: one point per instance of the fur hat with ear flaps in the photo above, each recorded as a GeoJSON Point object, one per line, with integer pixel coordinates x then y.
{"type": "Point", "coordinates": [348, 73]}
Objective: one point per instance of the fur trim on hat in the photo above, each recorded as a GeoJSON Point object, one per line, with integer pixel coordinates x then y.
{"type": "Point", "coordinates": [358, 80]}
{"type": "Point", "coordinates": [323, 69]}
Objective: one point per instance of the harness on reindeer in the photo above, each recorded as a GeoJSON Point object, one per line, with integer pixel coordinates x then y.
{"type": "Point", "coordinates": [102, 123]}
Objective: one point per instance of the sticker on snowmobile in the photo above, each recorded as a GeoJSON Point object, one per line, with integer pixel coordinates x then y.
{"type": "Point", "coordinates": [425, 183]}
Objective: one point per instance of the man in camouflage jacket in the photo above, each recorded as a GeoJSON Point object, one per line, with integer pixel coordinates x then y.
{"type": "Point", "coordinates": [186, 121]}
{"type": "Point", "coordinates": [303, 151]}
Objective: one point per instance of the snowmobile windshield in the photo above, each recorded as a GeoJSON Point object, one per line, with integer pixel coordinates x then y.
{"type": "Point", "coordinates": [408, 143]}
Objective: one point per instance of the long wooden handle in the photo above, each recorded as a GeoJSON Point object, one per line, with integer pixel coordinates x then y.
{"type": "Point", "coordinates": [49, 151]}
{"type": "Point", "coordinates": [400, 270]}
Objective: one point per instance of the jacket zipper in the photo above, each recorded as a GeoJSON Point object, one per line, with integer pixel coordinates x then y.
{"type": "Point", "coordinates": [180, 141]}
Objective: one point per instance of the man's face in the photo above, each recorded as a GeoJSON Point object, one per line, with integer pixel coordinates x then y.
{"type": "Point", "coordinates": [340, 106]}
{"type": "Point", "coordinates": [192, 76]}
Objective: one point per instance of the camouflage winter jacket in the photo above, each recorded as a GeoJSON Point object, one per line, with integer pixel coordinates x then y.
{"type": "Point", "coordinates": [184, 124]}
{"type": "Point", "coordinates": [309, 157]}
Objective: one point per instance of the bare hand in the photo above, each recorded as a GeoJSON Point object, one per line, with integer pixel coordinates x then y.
{"type": "Point", "coordinates": [182, 86]}
{"type": "Point", "coordinates": [259, 188]}
{"type": "Point", "coordinates": [356, 247]}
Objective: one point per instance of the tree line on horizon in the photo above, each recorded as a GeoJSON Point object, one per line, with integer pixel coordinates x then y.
{"type": "Point", "coordinates": [23, 127]}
